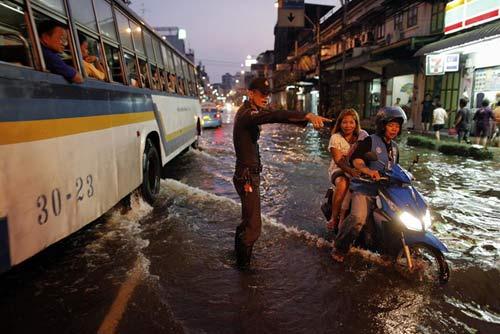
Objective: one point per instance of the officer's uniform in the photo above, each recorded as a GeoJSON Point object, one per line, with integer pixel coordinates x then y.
{"type": "Point", "coordinates": [246, 133]}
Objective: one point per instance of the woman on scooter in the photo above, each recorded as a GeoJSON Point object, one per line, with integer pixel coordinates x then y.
{"type": "Point", "coordinates": [345, 133]}
{"type": "Point", "coordinates": [389, 121]}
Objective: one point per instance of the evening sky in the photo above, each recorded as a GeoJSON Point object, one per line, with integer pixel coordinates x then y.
{"type": "Point", "coordinates": [221, 32]}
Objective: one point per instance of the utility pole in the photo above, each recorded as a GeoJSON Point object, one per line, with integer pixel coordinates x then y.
{"type": "Point", "coordinates": [344, 41]}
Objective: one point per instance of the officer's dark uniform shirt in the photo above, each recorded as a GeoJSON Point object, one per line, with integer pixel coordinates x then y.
{"type": "Point", "coordinates": [246, 131]}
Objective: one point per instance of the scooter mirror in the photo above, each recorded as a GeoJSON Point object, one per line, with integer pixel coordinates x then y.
{"type": "Point", "coordinates": [371, 156]}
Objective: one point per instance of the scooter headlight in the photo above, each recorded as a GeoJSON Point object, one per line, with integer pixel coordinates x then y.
{"type": "Point", "coordinates": [410, 221]}
{"type": "Point", "coordinates": [427, 219]}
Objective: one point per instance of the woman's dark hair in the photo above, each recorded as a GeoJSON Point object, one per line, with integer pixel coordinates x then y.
{"type": "Point", "coordinates": [485, 103]}
{"type": "Point", "coordinates": [82, 38]}
{"type": "Point", "coordinates": [463, 102]}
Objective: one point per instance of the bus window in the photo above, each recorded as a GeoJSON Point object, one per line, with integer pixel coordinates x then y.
{"type": "Point", "coordinates": [186, 77]}
{"type": "Point", "coordinates": [137, 36]}
{"type": "Point", "coordinates": [156, 46]}
{"type": "Point", "coordinates": [105, 19]}
{"type": "Point", "coordinates": [193, 80]}
{"type": "Point", "coordinates": [143, 67]}
{"type": "Point", "coordinates": [164, 56]}
{"type": "Point", "coordinates": [56, 46]}
{"type": "Point", "coordinates": [91, 55]}
{"type": "Point", "coordinates": [124, 30]}
{"type": "Point", "coordinates": [180, 75]}
{"type": "Point", "coordinates": [83, 13]}
{"type": "Point", "coordinates": [56, 5]}
{"type": "Point", "coordinates": [15, 47]}
{"type": "Point", "coordinates": [149, 47]}
{"type": "Point", "coordinates": [131, 70]}
{"type": "Point", "coordinates": [169, 63]}
{"type": "Point", "coordinates": [113, 59]}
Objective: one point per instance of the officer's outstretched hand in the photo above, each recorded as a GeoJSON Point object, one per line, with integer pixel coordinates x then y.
{"type": "Point", "coordinates": [317, 121]}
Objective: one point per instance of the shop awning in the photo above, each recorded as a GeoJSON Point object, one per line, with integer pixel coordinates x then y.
{"type": "Point", "coordinates": [486, 32]}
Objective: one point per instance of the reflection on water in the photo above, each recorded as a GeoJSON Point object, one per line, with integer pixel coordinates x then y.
{"type": "Point", "coordinates": [191, 285]}
{"type": "Point", "coordinates": [294, 286]}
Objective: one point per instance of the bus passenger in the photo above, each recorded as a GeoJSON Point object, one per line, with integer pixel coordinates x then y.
{"type": "Point", "coordinates": [171, 83]}
{"type": "Point", "coordinates": [53, 39]}
{"type": "Point", "coordinates": [94, 71]}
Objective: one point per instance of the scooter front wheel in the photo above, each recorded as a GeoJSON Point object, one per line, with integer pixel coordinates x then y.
{"type": "Point", "coordinates": [427, 263]}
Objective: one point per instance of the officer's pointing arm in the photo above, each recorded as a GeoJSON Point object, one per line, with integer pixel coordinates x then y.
{"type": "Point", "coordinates": [286, 116]}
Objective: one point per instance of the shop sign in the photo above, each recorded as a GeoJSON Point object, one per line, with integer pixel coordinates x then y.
{"type": "Point", "coordinates": [434, 65]}
{"type": "Point", "coordinates": [463, 14]}
{"type": "Point", "coordinates": [451, 62]}
{"type": "Point", "coordinates": [441, 63]}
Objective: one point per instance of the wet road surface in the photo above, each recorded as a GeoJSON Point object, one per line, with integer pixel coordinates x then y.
{"type": "Point", "coordinates": [169, 269]}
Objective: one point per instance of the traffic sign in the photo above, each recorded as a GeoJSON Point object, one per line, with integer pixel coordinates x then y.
{"type": "Point", "coordinates": [293, 4]}
{"type": "Point", "coordinates": [290, 18]}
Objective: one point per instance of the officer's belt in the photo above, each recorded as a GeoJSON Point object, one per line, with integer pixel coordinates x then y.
{"type": "Point", "coordinates": [254, 169]}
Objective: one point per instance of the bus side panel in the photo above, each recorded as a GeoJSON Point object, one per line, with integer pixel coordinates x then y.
{"type": "Point", "coordinates": [54, 187]}
{"type": "Point", "coordinates": [179, 116]}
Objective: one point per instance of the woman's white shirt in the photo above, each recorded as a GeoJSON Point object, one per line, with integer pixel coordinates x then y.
{"type": "Point", "coordinates": [337, 141]}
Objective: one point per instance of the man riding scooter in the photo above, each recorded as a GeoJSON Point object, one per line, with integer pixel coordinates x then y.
{"type": "Point", "coordinates": [389, 122]}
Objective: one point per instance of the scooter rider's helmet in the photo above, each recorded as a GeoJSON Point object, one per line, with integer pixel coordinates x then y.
{"type": "Point", "coordinates": [389, 114]}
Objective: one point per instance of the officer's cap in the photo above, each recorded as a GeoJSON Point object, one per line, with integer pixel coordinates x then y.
{"type": "Point", "coordinates": [260, 84]}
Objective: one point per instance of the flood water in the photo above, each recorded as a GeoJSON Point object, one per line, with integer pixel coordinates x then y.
{"type": "Point", "coordinates": [190, 284]}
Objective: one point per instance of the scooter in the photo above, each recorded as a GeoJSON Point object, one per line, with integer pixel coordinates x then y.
{"type": "Point", "coordinates": [399, 226]}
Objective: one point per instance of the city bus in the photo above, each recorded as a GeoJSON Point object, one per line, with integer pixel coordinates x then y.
{"type": "Point", "coordinates": [69, 152]}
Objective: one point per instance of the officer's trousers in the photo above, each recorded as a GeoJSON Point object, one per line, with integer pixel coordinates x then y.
{"type": "Point", "coordinates": [248, 231]}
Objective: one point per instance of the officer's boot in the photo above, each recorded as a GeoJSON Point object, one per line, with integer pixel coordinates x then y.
{"type": "Point", "coordinates": [242, 251]}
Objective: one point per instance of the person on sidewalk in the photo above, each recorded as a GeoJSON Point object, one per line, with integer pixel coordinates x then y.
{"type": "Point", "coordinates": [439, 117]}
{"type": "Point", "coordinates": [462, 123]}
{"type": "Point", "coordinates": [482, 118]}
{"type": "Point", "coordinates": [496, 129]}
{"type": "Point", "coordinates": [427, 108]}
{"type": "Point", "coordinates": [246, 132]}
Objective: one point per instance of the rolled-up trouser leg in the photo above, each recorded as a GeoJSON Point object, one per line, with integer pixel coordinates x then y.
{"type": "Point", "coordinates": [360, 205]}
{"type": "Point", "coordinates": [248, 231]}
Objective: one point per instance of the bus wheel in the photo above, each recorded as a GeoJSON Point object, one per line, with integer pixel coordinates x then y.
{"type": "Point", "coordinates": [151, 170]}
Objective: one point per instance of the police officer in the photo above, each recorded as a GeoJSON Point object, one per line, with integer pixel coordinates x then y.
{"type": "Point", "coordinates": [246, 133]}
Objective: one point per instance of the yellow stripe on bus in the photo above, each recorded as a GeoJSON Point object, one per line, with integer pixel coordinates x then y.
{"type": "Point", "coordinates": [178, 133]}
{"type": "Point", "coordinates": [26, 131]}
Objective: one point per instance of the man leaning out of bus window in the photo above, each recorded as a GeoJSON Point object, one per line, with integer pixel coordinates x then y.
{"type": "Point", "coordinates": [53, 39]}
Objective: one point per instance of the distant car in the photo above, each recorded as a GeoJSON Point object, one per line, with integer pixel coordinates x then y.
{"type": "Point", "coordinates": [210, 117]}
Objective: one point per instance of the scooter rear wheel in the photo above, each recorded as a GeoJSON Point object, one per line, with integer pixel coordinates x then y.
{"type": "Point", "coordinates": [428, 263]}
